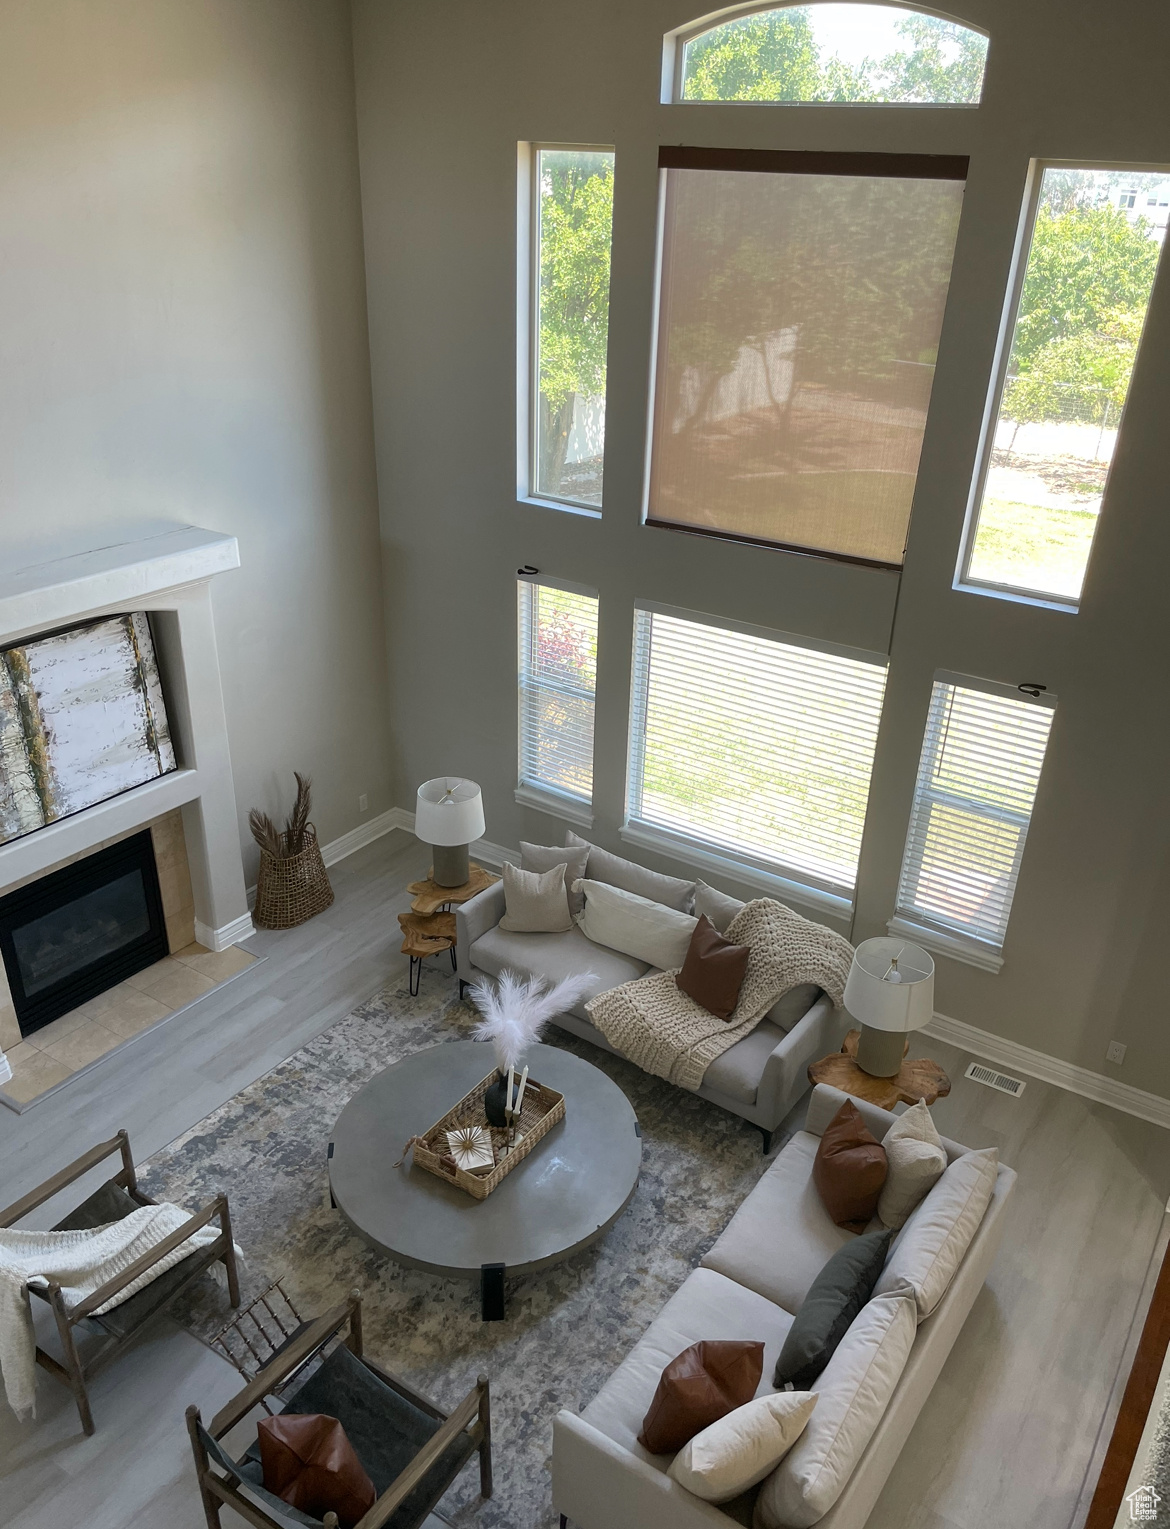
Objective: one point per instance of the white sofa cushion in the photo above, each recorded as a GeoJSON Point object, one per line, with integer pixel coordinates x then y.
{"type": "Point", "coordinates": [671, 891]}
{"type": "Point", "coordinates": [930, 1247]}
{"type": "Point", "coordinates": [915, 1161]}
{"type": "Point", "coordinates": [620, 920]}
{"type": "Point", "coordinates": [853, 1392]}
{"type": "Point", "coordinates": [738, 1071]}
{"type": "Point", "coordinates": [554, 956]}
{"type": "Point", "coordinates": [535, 901]}
{"type": "Point", "coordinates": [721, 909]}
{"type": "Point", "coordinates": [742, 1448]}
{"type": "Point", "coordinates": [542, 857]}
{"type": "Point", "coordinates": [705, 1306]}
{"type": "Point", "coordinates": [781, 1237]}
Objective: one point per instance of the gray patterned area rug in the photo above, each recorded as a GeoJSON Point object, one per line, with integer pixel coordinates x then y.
{"type": "Point", "coordinates": [567, 1328]}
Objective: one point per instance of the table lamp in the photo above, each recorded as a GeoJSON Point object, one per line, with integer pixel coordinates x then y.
{"type": "Point", "coordinates": [890, 989]}
{"type": "Point", "coordinates": [448, 816]}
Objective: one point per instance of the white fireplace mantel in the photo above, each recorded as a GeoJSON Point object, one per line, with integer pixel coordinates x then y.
{"type": "Point", "coordinates": [165, 571]}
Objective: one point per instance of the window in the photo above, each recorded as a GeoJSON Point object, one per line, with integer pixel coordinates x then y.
{"type": "Point", "coordinates": [558, 677]}
{"type": "Point", "coordinates": [1057, 406]}
{"type": "Point", "coordinates": [571, 212]}
{"type": "Point", "coordinates": [828, 52]}
{"type": "Point", "coordinates": [981, 761]}
{"type": "Point", "coordinates": [800, 305]}
{"type": "Point", "coordinates": [756, 749]}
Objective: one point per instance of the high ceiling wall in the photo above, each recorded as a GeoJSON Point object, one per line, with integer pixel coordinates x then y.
{"type": "Point", "coordinates": [445, 93]}
{"type": "Point", "coordinates": [183, 340]}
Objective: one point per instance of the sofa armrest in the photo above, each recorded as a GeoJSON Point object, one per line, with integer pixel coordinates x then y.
{"type": "Point", "coordinates": [785, 1075]}
{"type": "Point", "coordinates": [600, 1485]}
{"type": "Point", "coordinates": [473, 919]}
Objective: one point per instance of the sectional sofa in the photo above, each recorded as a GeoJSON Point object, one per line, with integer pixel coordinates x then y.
{"type": "Point", "coordinates": [760, 1078]}
{"type": "Point", "coordinates": [749, 1286]}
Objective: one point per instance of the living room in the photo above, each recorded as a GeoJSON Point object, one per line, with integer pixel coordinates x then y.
{"type": "Point", "coordinates": [284, 376]}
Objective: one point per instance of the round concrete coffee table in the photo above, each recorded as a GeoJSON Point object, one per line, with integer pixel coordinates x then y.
{"type": "Point", "coordinates": [566, 1194]}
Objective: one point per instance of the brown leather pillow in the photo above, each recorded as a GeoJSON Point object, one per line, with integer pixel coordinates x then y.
{"type": "Point", "coordinates": [849, 1169]}
{"type": "Point", "coordinates": [705, 1383]}
{"type": "Point", "coordinates": [310, 1464]}
{"type": "Point", "coordinates": [714, 969]}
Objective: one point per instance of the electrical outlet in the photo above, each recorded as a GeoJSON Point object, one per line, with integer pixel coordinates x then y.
{"type": "Point", "coordinates": [364, 802]}
{"type": "Point", "coordinates": [1115, 1052]}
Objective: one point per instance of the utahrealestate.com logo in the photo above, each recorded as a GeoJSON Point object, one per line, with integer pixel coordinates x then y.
{"type": "Point", "coordinates": [1143, 1506]}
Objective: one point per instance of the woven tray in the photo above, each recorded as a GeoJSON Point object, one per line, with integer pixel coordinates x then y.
{"type": "Point", "coordinates": [543, 1107]}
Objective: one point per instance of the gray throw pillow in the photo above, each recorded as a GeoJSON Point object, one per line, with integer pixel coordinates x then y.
{"type": "Point", "coordinates": [542, 857]}
{"type": "Point", "coordinates": [835, 1297]}
{"type": "Point", "coordinates": [535, 903]}
{"type": "Point", "coordinates": [671, 891]}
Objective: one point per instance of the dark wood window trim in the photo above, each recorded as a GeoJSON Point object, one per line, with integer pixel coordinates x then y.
{"type": "Point", "coordinates": [949, 167]}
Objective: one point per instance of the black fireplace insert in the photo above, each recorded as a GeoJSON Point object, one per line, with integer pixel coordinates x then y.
{"type": "Point", "coordinates": [82, 929]}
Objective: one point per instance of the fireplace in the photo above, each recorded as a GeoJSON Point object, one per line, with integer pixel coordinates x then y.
{"type": "Point", "coordinates": [82, 929]}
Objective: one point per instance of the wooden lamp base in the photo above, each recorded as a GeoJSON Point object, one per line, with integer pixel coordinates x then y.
{"type": "Point", "coordinates": [914, 1080]}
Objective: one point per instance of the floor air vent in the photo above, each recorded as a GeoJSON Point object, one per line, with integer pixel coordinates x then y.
{"type": "Point", "coordinates": [993, 1079]}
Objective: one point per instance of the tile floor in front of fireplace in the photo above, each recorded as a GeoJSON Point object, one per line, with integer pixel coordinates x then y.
{"type": "Point", "coordinates": [58, 1050]}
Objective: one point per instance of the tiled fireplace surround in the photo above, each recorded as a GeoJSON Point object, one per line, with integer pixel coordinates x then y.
{"type": "Point", "coordinates": [191, 813]}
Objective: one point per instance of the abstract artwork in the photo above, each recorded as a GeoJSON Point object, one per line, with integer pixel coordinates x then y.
{"type": "Point", "coordinates": [82, 718]}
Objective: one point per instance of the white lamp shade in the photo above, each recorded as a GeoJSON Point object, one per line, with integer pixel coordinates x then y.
{"type": "Point", "coordinates": [5, 1069]}
{"type": "Point", "coordinates": [449, 811]}
{"type": "Point", "coordinates": [875, 1000]}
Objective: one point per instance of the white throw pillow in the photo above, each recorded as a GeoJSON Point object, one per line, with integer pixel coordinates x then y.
{"type": "Point", "coordinates": [930, 1247]}
{"type": "Point", "coordinates": [718, 906]}
{"type": "Point", "coordinates": [916, 1159]}
{"type": "Point", "coordinates": [853, 1392]}
{"type": "Point", "coordinates": [535, 902]}
{"type": "Point", "coordinates": [542, 857]}
{"type": "Point", "coordinates": [740, 1449]}
{"type": "Point", "coordinates": [634, 925]}
{"type": "Point", "coordinates": [632, 877]}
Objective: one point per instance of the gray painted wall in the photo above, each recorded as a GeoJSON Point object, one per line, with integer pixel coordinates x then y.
{"type": "Point", "coordinates": [183, 339]}
{"type": "Point", "coordinates": [444, 95]}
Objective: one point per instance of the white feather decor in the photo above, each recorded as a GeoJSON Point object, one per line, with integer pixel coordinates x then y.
{"type": "Point", "coordinates": [516, 1009]}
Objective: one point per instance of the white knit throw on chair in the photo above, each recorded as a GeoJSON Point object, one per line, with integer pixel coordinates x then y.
{"type": "Point", "coordinates": [80, 1262]}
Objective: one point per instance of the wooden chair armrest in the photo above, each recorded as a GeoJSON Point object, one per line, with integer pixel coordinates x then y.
{"type": "Point", "coordinates": [396, 1494]}
{"type": "Point", "coordinates": [149, 1259]}
{"type": "Point", "coordinates": [424, 1404]}
{"type": "Point", "coordinates": [283, 1365]}
{"type": "Point", "coordinates": [50, 1187]}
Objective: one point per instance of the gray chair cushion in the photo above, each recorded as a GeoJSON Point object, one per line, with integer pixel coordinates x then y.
{"type": "Point", "coordinates": [386, 1430]}
{"type": "Point", "coordinates": [555, 956]}
{"type": "Point", "coordinates": [112, 1203]}
{"type": "Point", "coordinates": [738, 1071]}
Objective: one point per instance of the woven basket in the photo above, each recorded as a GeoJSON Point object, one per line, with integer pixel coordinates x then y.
{"type": "Point", "coordinates": [542, 1108]}
{"type": "Point", "coordinates": [290, 891]}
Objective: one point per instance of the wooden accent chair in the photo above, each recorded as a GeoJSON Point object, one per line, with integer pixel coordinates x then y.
{"type": "Point", "coordinates": [410, 1450]}
{"type": "Point", "coordinates": [114, 1200]}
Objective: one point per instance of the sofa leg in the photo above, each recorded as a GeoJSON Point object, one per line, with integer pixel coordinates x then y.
{"type": "Point", "coordinates": [767, 1135]}
{"type": "Point", "coordinates": [462, 989]}
{"type": "Point", "coordinates": [564, 1521]}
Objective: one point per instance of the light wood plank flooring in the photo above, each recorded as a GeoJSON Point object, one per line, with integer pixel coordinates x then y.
{"type": "Point", "coordinates": [1007, 1438]}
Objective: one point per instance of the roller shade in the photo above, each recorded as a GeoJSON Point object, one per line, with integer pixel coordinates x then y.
{"type": "Point", "coordinates": [557, 678]}
{"type": "Point", "coordinates": [981, 761]}
{"type": "Point", "coordinates": [745, 744]}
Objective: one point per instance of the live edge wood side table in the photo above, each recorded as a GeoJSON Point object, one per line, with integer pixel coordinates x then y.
{"type": "Point", "coordinates": [916, 1079]}
{"type": "Point", "coordinates": [429, 928]}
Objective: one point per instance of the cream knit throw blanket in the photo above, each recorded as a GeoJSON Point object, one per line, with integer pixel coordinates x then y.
{"type": "Point", "coordinates": [80, 1262]}
{"type": "Point", "coordinates": [665, 1032]}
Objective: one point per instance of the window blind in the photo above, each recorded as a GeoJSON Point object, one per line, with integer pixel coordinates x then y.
{"type": "Point", "coordinates": [981, 761]}
{"type": "Point", "coordinates": [745, 744]}
{"type": "Point", "coordinates": [557, 679]}
{"type": "Point", "coordinates": [801, 300]}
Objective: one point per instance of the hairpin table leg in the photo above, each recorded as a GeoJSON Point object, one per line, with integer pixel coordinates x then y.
{"type": "Point", "coordinates": [415, 975]}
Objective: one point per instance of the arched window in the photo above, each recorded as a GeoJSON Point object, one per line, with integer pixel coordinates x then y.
{"type": "Point", "coordinates": [828, 52]}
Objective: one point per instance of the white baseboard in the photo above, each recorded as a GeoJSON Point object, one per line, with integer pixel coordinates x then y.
{"type": "Point", "coordinates": [1050, 1069]}
{"type": "Point", "coordinates": [228, 934]}
{"type": "Point", "coordinates": [364, 834]}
